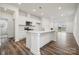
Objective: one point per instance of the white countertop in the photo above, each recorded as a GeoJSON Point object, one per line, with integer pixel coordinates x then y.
{"type": "Point", "coordinates": [41, 31]}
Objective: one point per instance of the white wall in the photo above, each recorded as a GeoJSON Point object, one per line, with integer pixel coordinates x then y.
{"type": "Point", "coordinates": [46, 24]}
{"type": "Point", "coordinates": [76, 26]}
{"type": "Point", "coordinates": [21, 33]}
{"type": "Point", "coordinates": [11, 31]}
{"type": "Point", "coordinates": [69, 27]}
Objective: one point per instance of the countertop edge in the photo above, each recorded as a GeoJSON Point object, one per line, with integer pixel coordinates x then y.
{"type": "Point", "coordinates": [40, 31]}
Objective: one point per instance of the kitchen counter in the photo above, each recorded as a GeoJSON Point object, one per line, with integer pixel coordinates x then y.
{"type": "Point", "coordinates": [37, 39]}
{"type": "Point", "coordinates": [40, 31]}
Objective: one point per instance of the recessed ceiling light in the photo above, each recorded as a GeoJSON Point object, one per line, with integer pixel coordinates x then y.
{"type": "Point", "coordinates": [34, 10]}
{"type": "Point", "coordinates": [59, 8]}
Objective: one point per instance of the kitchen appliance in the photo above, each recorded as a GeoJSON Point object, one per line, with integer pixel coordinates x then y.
{"type": "Point", "coordinates": [28, 26]}
{"type": "Point", "coordinates": [28, 23]}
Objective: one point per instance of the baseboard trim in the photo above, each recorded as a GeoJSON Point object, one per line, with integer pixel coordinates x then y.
{"type": "Point", "coordinates": [19, 39]}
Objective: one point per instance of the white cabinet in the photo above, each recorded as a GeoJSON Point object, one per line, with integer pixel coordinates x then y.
{"type": "Point", "coordinates": [22, 24]}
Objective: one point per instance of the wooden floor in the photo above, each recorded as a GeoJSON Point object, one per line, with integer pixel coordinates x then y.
{"type": "Point", "coordinates": [65, 45]}
{"type": "Point", "coordinates": [17, 48]}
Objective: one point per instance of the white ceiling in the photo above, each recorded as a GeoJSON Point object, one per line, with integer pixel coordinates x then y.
{"type": "Point", "coordinates": [50, 10]}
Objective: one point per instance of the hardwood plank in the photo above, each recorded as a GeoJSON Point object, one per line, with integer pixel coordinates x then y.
{"type": "Point", "coordinates": [17, 48]}
{"type": "Point", "coordinates": [65, 44]}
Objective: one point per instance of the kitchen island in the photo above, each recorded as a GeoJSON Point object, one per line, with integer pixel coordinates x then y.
{"type": "Point", "coordinates": [37, 39]}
